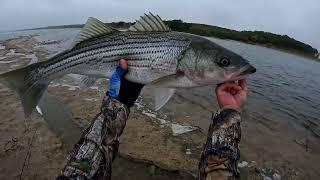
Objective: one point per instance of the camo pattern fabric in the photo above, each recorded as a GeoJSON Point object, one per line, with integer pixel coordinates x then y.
{"type": "Point", "coordinates": [220, 156]}
{"type": "Point", "coordinates": [92, 156]}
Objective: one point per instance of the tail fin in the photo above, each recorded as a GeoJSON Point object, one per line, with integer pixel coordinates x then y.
{"type": "Point", "coordinates": [29, 91]}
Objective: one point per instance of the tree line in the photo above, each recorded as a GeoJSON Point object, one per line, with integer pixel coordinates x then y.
{"type": "Point", "coordinates": [268, 39]}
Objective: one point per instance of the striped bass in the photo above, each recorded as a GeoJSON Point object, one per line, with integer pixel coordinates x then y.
{"type": "Point", "coordinates": [156, 56]}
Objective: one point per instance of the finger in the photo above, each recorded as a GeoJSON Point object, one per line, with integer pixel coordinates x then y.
{"type": "Point", "coordinates": [243, 84]}
{"type": "Point", "coordinates": [224, 85]}
{"type": "Point", "coordinates": [123, 64]}
{"type": "Point", "coordinates": [235, 87]}
{"type": "Point", "coordinates": [233, 91]}
{"type": "Point", "coordinates": [227, 86]}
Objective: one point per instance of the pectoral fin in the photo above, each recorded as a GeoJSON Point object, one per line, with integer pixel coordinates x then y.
{"type": "Point", "coordinates": [164, 81]}
{"type": "Point", "coordinates": [162, 96]}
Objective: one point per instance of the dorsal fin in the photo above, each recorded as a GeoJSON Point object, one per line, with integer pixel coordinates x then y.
{"type": "Point", "coordinates": [92, 28]}
{"type": "Point", "coordinates": [149, 22]}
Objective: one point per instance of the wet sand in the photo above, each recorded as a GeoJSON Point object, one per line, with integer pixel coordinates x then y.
{"type": "Point", "coordinates": [153, 145]}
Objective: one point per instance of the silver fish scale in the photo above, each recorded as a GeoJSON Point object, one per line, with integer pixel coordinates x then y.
{"type": "Point", "coordinates": [150, 55]}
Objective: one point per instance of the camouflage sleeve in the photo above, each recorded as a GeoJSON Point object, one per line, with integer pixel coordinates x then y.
{"type": "Point", "coordinates": [220, 156]}
{"type": "Point", "coordinates": [92, 156]}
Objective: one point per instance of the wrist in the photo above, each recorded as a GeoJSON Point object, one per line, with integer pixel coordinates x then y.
{"type": "Point", "coordinates": [238, 109]}
{"type": "Point", "coordinates": [222, 115]}
{"type": "Point", "coordinates": [107, 99]}
{"type": "Point", "coordinates": [129, 92]}
{"type": "Point", "coordinates": [120, 70]}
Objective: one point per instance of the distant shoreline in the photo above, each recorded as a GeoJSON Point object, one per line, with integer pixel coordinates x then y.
{"type": "Point", "coordinates": [297, 53]}
{"type": "Point", "coordinates": [282, 43]}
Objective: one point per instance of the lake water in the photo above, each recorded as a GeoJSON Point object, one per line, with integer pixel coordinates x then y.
{"type": "Point", "coordinates": [285, 89]}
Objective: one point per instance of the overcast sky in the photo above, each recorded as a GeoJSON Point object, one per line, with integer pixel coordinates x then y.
{"type": "Point", "coordinates": [297, 18]}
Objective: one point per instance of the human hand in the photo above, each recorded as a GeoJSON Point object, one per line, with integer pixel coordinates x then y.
{"type": "Point", "coordinates": [114, 86]}
{"type": "Point", "coordinates": [125, 91]}
{"type": "Point", "coordinates": [232, 95]}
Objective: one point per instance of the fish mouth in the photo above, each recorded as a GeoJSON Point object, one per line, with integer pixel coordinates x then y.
{"type": "Point", "coordinates": [242, 73]}
{"type": "Point", "coordinates": [247, 69]}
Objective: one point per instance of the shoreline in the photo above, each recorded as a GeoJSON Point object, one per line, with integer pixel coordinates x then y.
{"type": "Point", "coordinates": [289, 51]}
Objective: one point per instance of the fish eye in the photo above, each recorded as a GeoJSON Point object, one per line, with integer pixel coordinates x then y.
{"type": "Point", "coordinates": [224, 62]}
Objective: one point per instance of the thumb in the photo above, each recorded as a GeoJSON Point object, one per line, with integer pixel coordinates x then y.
{"type": "Point", "coordinates": [123, 64]}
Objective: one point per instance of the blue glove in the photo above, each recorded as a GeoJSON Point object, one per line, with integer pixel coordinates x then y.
{"type": "Point", "coordinates": [123, 90]}
{"type": "Point", "coordinates": [115, 81]}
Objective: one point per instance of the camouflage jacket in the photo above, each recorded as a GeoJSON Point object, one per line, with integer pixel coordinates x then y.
{"type": "Point", "coordinates": [92, 156]}
{"type": "Point", "coordinates": [220, 156]}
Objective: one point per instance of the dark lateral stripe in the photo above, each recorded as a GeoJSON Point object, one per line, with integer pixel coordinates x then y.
{"type": "Point", "coordinates": [136, 45]}
{"type": "Point", "coordinates": [105, 59]}
{"type": "Point", "coordinates": [134, 39]}
{"type": "Point", "coordinates": [139, 43]}
{"type": "Point", "coordinates": [68, 63]}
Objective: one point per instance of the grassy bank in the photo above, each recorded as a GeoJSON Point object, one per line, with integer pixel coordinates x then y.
{"type": "Point", "coordinates": [282, 42]}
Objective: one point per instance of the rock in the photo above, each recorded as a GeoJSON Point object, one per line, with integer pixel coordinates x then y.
{"type": "Point", "coordinates": [188, 151]}
{"type": "Point", "coordinates": [276, 176]}
{"type": "Point", "coordinates": [266, 177]}
{"type": "Point", "coordinates": [152, 169]}
{"type": "Point", "coordinates": [252, 164]}
{"type": "Point", "coordinates": [243, 164]}
{"type": "Point", "coordinates": [260, 170]}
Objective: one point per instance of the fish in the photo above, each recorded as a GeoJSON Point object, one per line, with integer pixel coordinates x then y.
{"type": "Point", "coordinates": [156, 56]}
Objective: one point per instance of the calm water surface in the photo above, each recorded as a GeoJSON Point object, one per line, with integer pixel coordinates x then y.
{"type": "Point", "coordinates": [285, 87]}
